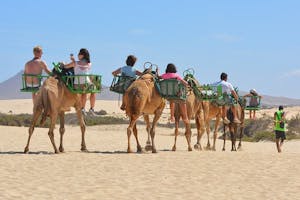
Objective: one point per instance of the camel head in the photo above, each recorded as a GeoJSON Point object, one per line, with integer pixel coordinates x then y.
{"type": "Point", "coordinates": [191, 80]}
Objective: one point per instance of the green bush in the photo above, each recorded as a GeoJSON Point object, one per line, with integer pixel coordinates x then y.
{"type": "Point", "coordinates": [294, 126]}
{"type": "Point", "coordinates": [264, 135]}
{"type": "Point", "coordinates": [71, 119]}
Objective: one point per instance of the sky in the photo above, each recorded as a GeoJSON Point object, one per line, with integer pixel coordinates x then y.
{"type": "Point", "coordinates": [257, 43]}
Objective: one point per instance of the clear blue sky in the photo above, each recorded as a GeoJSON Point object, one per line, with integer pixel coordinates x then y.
{"type": "Point", "coordinates": [256, 42]}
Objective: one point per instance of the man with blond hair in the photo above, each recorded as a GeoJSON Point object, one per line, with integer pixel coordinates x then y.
{"type": "Point", "coordinates": [35, 67]}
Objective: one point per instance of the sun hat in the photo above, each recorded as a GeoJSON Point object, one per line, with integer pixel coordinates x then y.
{"type": "Point", "coordinates": [253, 91]}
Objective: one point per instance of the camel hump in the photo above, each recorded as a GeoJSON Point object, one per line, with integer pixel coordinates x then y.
{"type": "Point", "coordinates": [45, 104]}
{"type": "Point", "coordinates": [134, 101]}
{"type": "Point", "coordinates": [147, 76]}
{"type": "Point", "coordinates": [49, 86]}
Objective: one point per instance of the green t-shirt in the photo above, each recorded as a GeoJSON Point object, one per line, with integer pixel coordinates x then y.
{"type": "Point", "coordinates": [278, 115]}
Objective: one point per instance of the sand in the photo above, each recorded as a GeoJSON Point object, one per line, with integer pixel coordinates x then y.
{"type": "Point", "coordinates": [107, 172]}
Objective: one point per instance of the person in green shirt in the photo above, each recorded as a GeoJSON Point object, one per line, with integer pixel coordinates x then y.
{"type": "Point", "coordinates": [279, 127]}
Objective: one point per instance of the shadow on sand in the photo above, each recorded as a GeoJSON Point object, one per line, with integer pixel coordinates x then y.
{"type": "Point", "coordinates": [31, 153]}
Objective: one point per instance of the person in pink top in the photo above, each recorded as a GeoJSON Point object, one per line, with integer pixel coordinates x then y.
{"type": "Point", "coordinates": [171, 73]}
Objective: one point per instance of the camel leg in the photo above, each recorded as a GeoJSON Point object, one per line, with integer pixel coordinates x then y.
{"type": "Point", "coordinates": [148, 146]}
{"type": "Point", "coordinates": [224, 136]}
{"type": "Point", "coordinates": [233, 138]}
{"type": "Point", "coordinates": [51, 131]}
{"type": "Point", "coordinates": [200, 132]}
{"type": "Point", "coordinates": [208, 134]}
{"type": "Point", "coordinates": [82, 127]}
{"type": "Point", "coordinates": [188, 135]}
{"type": "Point", "coordinates": [241, 136]}
{"type": "Point", "coordinates": [36, 116]}
{"type": "Point", "coordinates": [61, 130]}
{"type": "Point", "coordinates": [157, 115]}
{"type": "Point", "coordinates": [216, 132]}
{"type": "Point", "coordinates": [138, 146]}
{"type": "Point", "coordinates": [176, 133]}
{"type": "Point", "coordinates": [129, 131]}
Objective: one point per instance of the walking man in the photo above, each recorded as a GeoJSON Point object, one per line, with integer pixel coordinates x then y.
{"type": "Point", "coordinates": [279, 127]}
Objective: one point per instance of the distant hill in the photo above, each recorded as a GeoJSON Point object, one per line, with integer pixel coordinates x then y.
{"type": "Point", "coordinates": [10, 89]}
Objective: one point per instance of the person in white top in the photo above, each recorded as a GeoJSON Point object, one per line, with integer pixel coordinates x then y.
{"type": "Point", "coordinates": [82, 67]}
{"type": "Point", "coordinates": [228, 89]}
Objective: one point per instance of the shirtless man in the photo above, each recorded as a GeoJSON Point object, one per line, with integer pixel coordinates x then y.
{"type": "Point", "coordinates": [35, 67]}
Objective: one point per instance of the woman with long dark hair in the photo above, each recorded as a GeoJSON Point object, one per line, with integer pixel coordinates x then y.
{"type": "Point", "coordinates": [82, 67]}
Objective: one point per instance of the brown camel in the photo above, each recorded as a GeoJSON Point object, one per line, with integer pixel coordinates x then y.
{"type": "Point", "coordinates": [210, 111]}
{"type": "Point", "coordinates": [194, 110]}
{"type": "Point", "coordinates": [53, 100]}
{"type": "Point", "coordinates": [233, 127]}
{"type": "Point", "coordinates": [203, 111]}
{"type": "Point", "coordinates": [142, 98]}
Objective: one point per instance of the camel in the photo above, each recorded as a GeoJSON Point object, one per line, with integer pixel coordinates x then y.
{"type": "Point", "coordinates": [203, 111]}
{"type": "Point", "coordinates": [194, 109]}
{"type": "Point", "coordinates": [233, 127]}
{"type": "Point", "coordinates": [142, 98]}
{"type": "Point", "coordinates": [210, 111]}
{"type": "Point", "coordinates": [53, 100]}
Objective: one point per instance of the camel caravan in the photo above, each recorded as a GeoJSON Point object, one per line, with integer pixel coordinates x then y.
{"type": "Point", "coordinates": [144, 93]}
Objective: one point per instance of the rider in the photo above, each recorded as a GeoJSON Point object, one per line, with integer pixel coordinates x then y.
{"type": "Point", "coordinates": [82, 67]}
{"type": "Point", "coordinates": [129, 71]}
{"type": "Point", "coordinates": [253, 95]}
{"type": "Point", "coordinates": [229, 90]}
{"type": "Point", "coordinates": [35, 67]}
{"type": "Point", "coordinates": [171, 74]}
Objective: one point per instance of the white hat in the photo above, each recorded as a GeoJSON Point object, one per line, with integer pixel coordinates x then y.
{"type": "Point", "coordinates": [253, 91]}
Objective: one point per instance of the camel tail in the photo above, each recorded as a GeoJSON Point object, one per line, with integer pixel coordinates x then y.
{"type": "Point", "coordinates": [45, 103]}
{"type": "Point", "coordinates": [134, 101]}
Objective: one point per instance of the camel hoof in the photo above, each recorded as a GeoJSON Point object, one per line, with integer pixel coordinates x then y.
{"type": "Point", "coordinates": [148, 147]}
{"type": "Point", "coordinates": [129, 151]}
{"type": "Point", "coordinates": [197, 147]}
{"type": "Point", "coordinates": [84, 150]}
{"type": "Point", "coordinates": [174, 148]}
{"type": "Point", "coordinates": [213, 149]}
{"type": "Point", "coordinates": [207, 148]}
{"type": "Point", "coordinates": [190, 149]}
{"type": "Point", "coordinates": [26, 150]}
{"type": "Point", "coordinates": [154, 151]}
{"type": "Point", "coordinates": [140, 150]}
{"type": "Point", "coordinates": [61, 149]}
{"type": "Point", "coordinates": [223, 149]}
